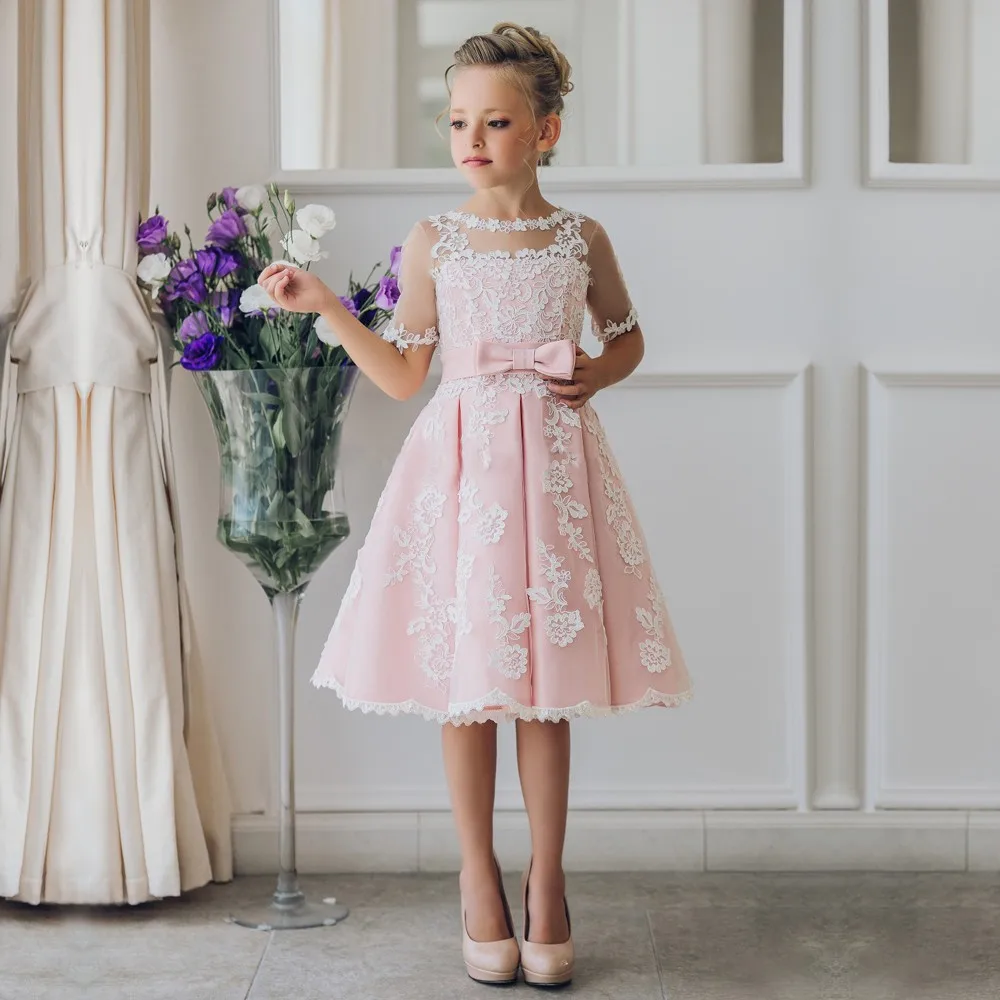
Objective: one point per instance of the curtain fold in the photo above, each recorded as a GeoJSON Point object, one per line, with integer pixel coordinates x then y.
{"type": "Point", "coordinates": [111, 782]}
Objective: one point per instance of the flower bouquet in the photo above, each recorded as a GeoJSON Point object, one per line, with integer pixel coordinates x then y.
{"type": "Point", "coordinates": [277, 384]}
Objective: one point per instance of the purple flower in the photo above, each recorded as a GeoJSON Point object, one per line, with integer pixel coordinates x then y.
{"type": "Point", "coordinates": [195, 326]}
{"type": "Point", "coordinates": [151, 234]}
{"type": "Point", "coordinates": [226, 302]}
{"type": "Point", "coordinates": [365, 312]}
{"type": "Point", "coordinates": [214, 262]}
{"type": "Point", "coordinates": [185, 282]}
{"type": "Point", "coordinates": [202, 354]}
{"type": "Point", "coordinates": [349, 305]}
{"type": "Point", "coordinates": [228, 196]}
{"type": "Point", "coordinates": [226, 229]}
{"type": "Point", "coordinates": [388, 293]}
{"type": "Point", "coordinates": [395, 259]}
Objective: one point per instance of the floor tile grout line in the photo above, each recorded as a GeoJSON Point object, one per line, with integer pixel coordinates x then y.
{"type": "Point", "coordinates": [260, 963]}
{"type": "Point", "coordinates": [656, 954]}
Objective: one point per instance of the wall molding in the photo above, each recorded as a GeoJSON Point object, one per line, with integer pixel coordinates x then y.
{"type": "Point", "coordinates": [322, 798]}
{"type": "Point", "coordinates": [878, 170]}
{"type": "Point", "coordinates": [640, 840]}
{"type": "Point", "coordinates": [713, 380]}
{"type": "Point", "coordinates": [796, 491]}
{"type": "Point", "coordinates": [873, 593]}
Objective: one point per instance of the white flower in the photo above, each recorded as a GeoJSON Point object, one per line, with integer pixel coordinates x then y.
{"type": "Point", "coordinates": [251, 197]}
{"type": "Point", "coordinates": [325, 332]}
{"type": "Point", "coordinates": [153, 270]}
{"type": "Point", "coordinates": [303, 248]}
{"type": "Point", "coordinates": [255, 299]}
{"type": "Point", "coordinates": [316, 220]}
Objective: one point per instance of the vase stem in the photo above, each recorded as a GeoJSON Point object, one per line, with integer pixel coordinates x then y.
{"type": "Point", "coordinates": [288, 908]}
{"type": "Point", "coordinates": [286, 616]}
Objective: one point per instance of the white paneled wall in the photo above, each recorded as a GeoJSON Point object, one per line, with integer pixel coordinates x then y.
{"type": "Point", "coordinates": [828, 543]}
{"type": "Point", "coordinates": [933, 591]}
{"type": "Point", "coordinates": [720, 488]}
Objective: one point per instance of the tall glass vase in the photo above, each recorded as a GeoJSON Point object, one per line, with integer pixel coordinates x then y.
{"type": "Point", "coordinates": [282, 512]}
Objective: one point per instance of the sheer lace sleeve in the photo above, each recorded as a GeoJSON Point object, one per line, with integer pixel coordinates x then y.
{"type": "Point", "coordinates": [414, 321]}
{"type": "Point", "coordinates": [611, 309]}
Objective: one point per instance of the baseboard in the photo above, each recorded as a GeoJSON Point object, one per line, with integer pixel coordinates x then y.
{"type": "Point", "coordinates": [641, 840]}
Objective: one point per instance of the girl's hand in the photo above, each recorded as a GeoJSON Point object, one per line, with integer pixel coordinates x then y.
{"type": "Point", "coordinates": [294, 289]}
{"type": "Point", "coordinates": [586, 381]}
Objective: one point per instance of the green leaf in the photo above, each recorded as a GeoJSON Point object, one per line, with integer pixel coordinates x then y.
{"type": "Point", "coordinates": [278, 432]}
{"type": "Point", "coordinates": [291, 420]}
{"type": "Point", "coordinates": [263, 397]}
{"type": "Point", "coordinates": [307, 527]}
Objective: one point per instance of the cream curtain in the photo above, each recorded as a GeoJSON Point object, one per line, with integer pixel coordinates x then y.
{"type": "Point", "coordinates": [111, 786]}
{"type": "Point", "coordinates": [331, 92]}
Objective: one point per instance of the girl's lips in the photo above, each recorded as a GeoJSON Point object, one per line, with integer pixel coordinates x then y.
{"type": "Point", "coordinates": [476, 161]}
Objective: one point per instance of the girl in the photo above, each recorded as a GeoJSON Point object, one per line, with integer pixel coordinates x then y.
{"type": "Point", "coordinates": [504, 575]}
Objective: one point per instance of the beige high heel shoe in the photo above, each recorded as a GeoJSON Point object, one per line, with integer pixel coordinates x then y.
{"type": "Point", "coordinates": [493, 962]}
{"type": "Point", "coordinates": [545, 964]}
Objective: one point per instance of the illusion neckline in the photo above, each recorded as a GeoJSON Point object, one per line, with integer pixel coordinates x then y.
{"type": "Point", "coordinates": [472, 221]}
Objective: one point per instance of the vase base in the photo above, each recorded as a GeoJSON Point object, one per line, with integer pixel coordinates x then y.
{"type": "Point", "coordinates": [297, 915]}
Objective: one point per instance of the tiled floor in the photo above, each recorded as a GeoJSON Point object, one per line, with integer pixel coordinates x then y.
{"type": "Point", "coordinates": [639, 937]}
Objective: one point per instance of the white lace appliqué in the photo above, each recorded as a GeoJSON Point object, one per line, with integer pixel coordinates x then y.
{"type": "Point", "coordinates": [509, 296]}
{"type": "Point", "coordinates": [509, 657]}
{"type": "Point", "coordinates": [433, 420]}
{"type": "Point", "coordinates": [443, 619]}
{"type": "Point", "coordinates": [593, 590]}
{"type": "Point", "coordinates": [619, 516]}
{"type": "Point", "coordinates": [557, 481]}
{"type": "Point", "coordinates": [561, 626]}
{"type": "Point", "coordinates": [490, 521]}
{"type": "Point", "coordinates": [404, 338]}
{"type": "Point", "coordinates": [654, 655]}
{"type": "Point", "coordinates": [508, 225]}
{"type": "Point", "coordinates": [486, 387]}
{"type": "Point", "coordinates": [612, 330]}
{"type": "Point", "coordinates": [482, 417]}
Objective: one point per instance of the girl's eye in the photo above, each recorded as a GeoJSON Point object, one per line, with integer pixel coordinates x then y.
{"type": "Point", "coordinates": [498, 123]}
{"type": "Point", "coordinates": [458, 123]}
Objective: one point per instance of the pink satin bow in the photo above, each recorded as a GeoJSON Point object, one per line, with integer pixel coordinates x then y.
{"type": "Point", "coordinates": [555, 359]}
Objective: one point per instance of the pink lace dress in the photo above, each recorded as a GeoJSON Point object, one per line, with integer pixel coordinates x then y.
{"type": "Point", "coordinates": [505, 574]}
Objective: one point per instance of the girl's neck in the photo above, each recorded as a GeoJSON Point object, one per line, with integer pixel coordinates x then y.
{"type": "Point", "coordinates": [509, 204]}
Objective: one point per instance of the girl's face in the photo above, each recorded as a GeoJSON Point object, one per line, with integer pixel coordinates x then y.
{"type": "Point", "coordinates": [495, 138]}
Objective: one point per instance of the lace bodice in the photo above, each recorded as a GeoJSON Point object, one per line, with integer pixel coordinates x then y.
{"type": "Point", "coordinates": [466, 279]}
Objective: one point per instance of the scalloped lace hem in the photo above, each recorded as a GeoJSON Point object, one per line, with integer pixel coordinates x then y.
{"type": "Point", "coordinates": [499, 707]}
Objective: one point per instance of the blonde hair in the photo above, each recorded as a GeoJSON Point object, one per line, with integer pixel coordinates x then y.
{"type": "Point", "coordinates": [532, 61]}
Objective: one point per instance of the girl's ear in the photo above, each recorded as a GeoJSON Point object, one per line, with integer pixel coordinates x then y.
{"type": "Point", "coordinates": [551, 129]}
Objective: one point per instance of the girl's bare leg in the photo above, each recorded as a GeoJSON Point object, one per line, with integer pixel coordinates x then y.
{"type": "Point", "coordinates": [543, 759]}
{"type": "Point", "coordinates": [470, 762]}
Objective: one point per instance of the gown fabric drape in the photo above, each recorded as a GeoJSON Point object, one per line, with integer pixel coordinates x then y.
{"type": "Point", "coordinates": [111, 782]}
